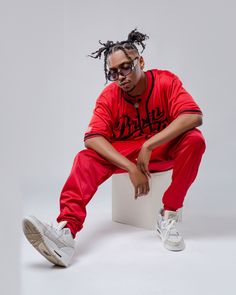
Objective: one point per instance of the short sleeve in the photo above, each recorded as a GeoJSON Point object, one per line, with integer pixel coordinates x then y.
{"type": "Point", "coordinates": [101, 121]}
{"type": "Point", "coordinates": [180, 101]}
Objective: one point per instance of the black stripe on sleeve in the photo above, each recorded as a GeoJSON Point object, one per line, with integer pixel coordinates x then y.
{"type": "Point", "coordinates": [90, 135]}
{"type": "Point", "coordinates": [192, 111]}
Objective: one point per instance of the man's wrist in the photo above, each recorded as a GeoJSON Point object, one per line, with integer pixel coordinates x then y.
{"type": "Point", "coordinates": [131, 167]}
{"type": "Point", "coordinates": [147, 145]}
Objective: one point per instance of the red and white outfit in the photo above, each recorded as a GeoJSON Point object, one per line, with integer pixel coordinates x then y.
{"type": "Point", "coordinates": [126, 122]}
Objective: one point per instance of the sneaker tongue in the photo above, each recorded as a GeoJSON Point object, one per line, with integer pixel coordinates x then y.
{"type": "Point", "coordinates": [170, 215]}
{"type": "Point", "coordinates": [62, 224]}
{"type": "Point", "coordinates": [67, 231]}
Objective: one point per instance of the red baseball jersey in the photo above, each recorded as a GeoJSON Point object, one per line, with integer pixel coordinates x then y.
{"type": "Point", "coordinates": [118, 116]}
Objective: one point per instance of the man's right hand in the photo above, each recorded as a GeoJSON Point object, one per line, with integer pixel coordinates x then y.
{"type": "Point", "coordinates": [139, 180]}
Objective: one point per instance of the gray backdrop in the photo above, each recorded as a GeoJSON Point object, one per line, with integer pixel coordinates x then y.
{"type": "Point", "coordinates": [49, 87]}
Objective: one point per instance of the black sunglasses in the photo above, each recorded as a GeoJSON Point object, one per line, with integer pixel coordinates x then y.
{"type": "Point", "coordinates": [124, 70]}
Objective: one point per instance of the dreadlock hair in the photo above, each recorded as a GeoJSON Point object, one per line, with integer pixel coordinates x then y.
{"type": "Point", "coordinates": [110, 47]}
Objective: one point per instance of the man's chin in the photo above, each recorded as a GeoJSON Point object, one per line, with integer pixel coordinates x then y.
{"type": "Point", "coordinates": [131, 89]}
{"type": "Point", "coordinates": [126, 87]}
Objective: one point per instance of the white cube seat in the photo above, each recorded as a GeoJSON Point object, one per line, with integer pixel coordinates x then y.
{"type": "Point", "coordinates": [143, 211]}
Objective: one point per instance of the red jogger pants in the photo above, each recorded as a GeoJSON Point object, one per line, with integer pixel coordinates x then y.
{"type": "Point", "coordinates": [89, 170]}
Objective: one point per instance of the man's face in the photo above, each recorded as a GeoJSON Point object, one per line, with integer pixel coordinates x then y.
{"type": "Point", "coordinates": [118, 60]}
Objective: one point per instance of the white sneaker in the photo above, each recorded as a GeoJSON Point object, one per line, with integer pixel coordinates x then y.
{"type": "Point", "coordinates": [167, 230]}
{"type": "Point", "coordinates": [56, 244]}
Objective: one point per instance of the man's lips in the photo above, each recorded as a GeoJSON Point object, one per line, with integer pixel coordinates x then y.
{"type": "Point", "coordinates": [124, 83]}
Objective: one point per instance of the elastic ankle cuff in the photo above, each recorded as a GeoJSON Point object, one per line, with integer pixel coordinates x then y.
{"type": "Point", "coordinates": [171, 208]}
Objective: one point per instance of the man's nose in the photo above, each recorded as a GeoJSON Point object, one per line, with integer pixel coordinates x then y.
{"type": "Point", "coordinates": [121, 77]}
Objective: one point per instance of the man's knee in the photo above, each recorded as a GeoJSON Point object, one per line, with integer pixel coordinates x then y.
{"type": "Point", "coordinates": [84, 155]}
{"type": "Point", "coordinates": [88, 156]}
{"type": "Point", "coordinates": [195, 139]}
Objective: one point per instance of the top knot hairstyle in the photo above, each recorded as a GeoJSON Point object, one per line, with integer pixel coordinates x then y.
{"type": "Point", "coordinates": [110, 47]}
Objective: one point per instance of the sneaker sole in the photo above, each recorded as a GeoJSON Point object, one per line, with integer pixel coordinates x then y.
{"type": "Point", "coordinates": [39, 242]}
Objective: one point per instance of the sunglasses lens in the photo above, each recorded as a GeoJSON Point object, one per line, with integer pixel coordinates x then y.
{"type": "Point", "coordinates": [126, 70]}
{"type": "Point", "coordinates": [112, 76]}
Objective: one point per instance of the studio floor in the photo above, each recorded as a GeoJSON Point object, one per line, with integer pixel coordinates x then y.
{"type": "Point", "coordinates": [113, 258]}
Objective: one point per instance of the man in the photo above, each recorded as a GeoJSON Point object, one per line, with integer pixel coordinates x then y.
{"type": "Point", "coordinates": [143, 121]}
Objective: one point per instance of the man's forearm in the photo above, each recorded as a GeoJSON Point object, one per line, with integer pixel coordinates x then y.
{"type": "Point", "coordinates": [106, 150]}
{"type": "Point", "coordinates": [181, 124]}
{"type": "Point", "coordinates": [177, 127]}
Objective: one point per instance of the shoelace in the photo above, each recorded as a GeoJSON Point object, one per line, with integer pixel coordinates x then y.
{"type": "Point", "coordinates": [168, 225]}
{"type": "Point", "coordinates": [57, 228]}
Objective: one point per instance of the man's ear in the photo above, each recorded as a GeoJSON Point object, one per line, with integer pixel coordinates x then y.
{"type": "Point", "coordinates": [142, 63]}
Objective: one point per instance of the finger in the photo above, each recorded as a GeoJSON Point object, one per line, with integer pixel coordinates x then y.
{"type": "Point", "coordinates": [139, 193]}
{"type": "Point", "coordinates": [146, 171]}
{"type": "Point", "coordinates": [142, 190]}
{"type": "Point", "coordinates": [136, 193]}
{"type": "Point", "coordinates": [145, 191]}
{"type": "Point", "coordinates": [143, 169]}
{"type": "Point", "coordinates": [147, 188]}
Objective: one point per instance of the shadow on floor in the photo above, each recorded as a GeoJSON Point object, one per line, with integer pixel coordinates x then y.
{"type": "Point", "coordinates": [194, 226]}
